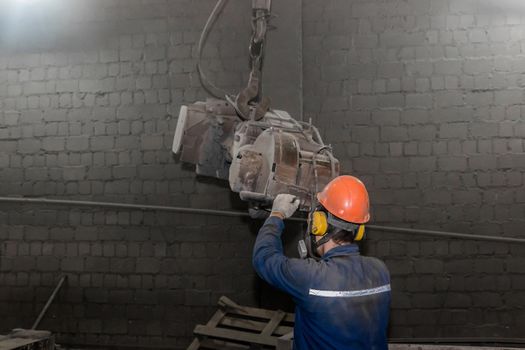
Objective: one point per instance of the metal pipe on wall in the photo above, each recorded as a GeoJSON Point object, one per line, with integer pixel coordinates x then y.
{"type": "Point", "coordinates": [232, 213]}
{"type": "Point", "coordinates": [421, 232]}
{"type": "Point", "coordinates": [411, 341]}
{"type": "Point", "coordinates": [114, 205]}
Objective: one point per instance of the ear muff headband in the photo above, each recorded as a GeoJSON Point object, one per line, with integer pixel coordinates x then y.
{"type": "Point", "coordinates": [360, 233]}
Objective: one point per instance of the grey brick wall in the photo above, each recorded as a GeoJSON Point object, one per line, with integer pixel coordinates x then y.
{"type": "Point", "coordinates": [89, 95]}
{"type": "Point", "coordinates": [423, 99]}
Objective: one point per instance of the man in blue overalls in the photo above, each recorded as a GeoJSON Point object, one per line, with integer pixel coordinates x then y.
{"type": "Point", "coordinates": [343, 299]}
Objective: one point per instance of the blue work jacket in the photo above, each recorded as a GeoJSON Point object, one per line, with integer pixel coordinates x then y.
{"type": "Point", "coordinates": [342, 301]}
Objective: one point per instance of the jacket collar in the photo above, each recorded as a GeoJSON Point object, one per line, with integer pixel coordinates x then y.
{"type": "Point", "coordinates": [347, 249]}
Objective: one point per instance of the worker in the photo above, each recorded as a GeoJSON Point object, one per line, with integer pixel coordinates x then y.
{"type": "Point", "coordinates": [343, 298]}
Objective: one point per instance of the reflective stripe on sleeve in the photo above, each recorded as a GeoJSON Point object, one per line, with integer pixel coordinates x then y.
{"type": "Point", "coordinates": [349, 293]}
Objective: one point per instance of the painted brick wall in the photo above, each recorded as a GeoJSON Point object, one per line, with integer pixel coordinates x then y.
{"type": "Point", "coordinates": [89, 95]}
{"type": "Point", "coordinates": [424, 100]}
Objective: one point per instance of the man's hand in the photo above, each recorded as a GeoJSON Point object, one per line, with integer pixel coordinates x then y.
{"type": "Point", "coordinates": [284, 205]}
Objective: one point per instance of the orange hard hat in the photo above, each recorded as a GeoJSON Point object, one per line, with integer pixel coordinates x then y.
{"type": "Point", "coordinates": [347, 198]}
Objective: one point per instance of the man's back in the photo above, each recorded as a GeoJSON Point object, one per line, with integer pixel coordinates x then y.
{"type": "Point", "coordinates": [347, 306]}
{"type": "Point", "coordinates": [342, 300]}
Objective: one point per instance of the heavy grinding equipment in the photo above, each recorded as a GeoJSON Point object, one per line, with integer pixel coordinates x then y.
{"type": "Point", "coordinates": [261, 152]}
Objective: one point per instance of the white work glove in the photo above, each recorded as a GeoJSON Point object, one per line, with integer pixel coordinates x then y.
{"type": "Point", "coordinates": [285, 204]}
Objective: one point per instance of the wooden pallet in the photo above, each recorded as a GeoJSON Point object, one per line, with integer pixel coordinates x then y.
{"type": "Point", "coordinates": [235, 327]}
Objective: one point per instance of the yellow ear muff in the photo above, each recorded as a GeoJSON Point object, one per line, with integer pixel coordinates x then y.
{"type": "Point", "coordinates": [360, 233]}
{"type": "Point", "coordinates": [319, 223]}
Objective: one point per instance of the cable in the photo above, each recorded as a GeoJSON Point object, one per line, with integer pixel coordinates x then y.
{"type": "Point", "coordinates": [294, 122]}
{"type": "Point", "coordinates": [327, 149]}
{"type": "Point", "coordinates": [206, 84]}
{"type": "Point", "coordinates": [317, 135]}
{"type": "Point", "coordinates": [147, 207]}
{"type": "Point", "coordinates": [234, 105]}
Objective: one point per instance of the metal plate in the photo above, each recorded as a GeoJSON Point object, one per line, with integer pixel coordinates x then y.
{"type": "Point", "coordinates": [179, 131]}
